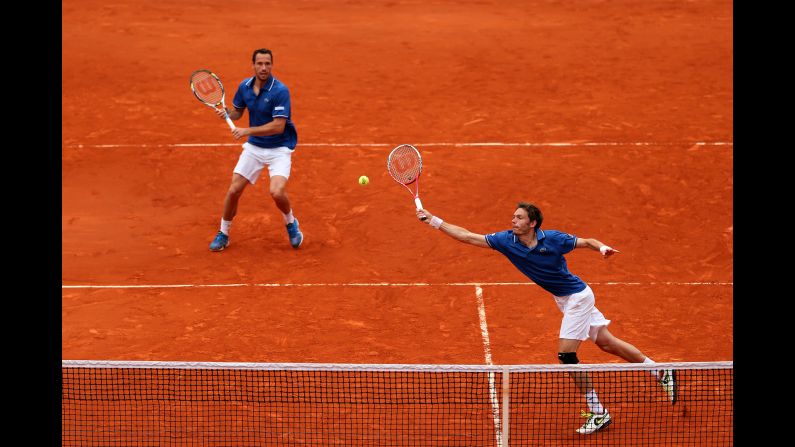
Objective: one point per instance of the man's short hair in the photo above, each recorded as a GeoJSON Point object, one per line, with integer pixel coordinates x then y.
{"type": "Point", "coordinates": [533, 213]}
{"type": "Point", "coordinates": [260, 51]}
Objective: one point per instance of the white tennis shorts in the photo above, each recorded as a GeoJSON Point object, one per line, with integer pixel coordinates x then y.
{"type": "Point", "coordinates": [581, 318]}
{"type": "Point", "coordinates": [254, 158]}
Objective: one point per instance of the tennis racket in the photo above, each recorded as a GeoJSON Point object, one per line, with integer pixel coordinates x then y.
{"type": "Point", "coordinates": [405, 166]}
{"type": "Point", "coordinates": [208, 89]}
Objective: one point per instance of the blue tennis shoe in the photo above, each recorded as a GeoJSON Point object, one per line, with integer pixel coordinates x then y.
{"type": "Point", "coordinates": [220, 242]}
{"type": "Point", "coordinates": [296, 237]}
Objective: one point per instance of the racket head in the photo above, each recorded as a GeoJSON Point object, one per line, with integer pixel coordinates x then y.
{"type": "Point", "coordinates": [404, 164]}
{"type": "Point", "coordinates": [207, 87]}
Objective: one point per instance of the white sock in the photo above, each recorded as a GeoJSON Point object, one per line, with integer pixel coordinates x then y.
{"type": "Point", "coordinates": [593, 402]}
{"type": "Point", "coordinates": [225, 225]}
{"type": "Point", "coordinates": [288, 218]}
{"type": "Point", "coordinates": [653, 372]}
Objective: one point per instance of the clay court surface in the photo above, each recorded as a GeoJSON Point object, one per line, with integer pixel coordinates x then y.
{"type": "Point", "coordinates": [615, 117]}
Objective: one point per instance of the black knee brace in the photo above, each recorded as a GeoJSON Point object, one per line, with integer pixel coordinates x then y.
{"type": "Point", "coordinates": [568, 358]}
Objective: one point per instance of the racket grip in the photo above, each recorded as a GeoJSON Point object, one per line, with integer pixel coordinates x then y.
{"type": "Point", "coordinates": [419, 207]}
{"type": "Point", "coordinates": [229, 121]}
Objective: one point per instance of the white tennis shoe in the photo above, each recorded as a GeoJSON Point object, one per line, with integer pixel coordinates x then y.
{"type": "Point", "coordinates": [668, 382]}
{"type": "Point", "coordinates": [594, 423]}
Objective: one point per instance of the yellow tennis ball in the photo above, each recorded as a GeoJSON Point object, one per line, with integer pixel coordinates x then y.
{"type": "Point", "coordinates": [363, 180]}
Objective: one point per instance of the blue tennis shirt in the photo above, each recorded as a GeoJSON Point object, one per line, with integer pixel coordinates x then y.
{"type": "Point", "coordinates": [544, 264]}
{"type": "Point", "coordinates": [272, 102]}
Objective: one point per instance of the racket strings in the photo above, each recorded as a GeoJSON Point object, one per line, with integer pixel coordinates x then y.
{"type": "Point", "coordinates": [207, 88]}
{"type": "Point", "coordinates": [405, 164]}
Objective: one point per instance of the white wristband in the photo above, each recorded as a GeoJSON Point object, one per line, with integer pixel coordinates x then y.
{"type": "Point", "coordinates": [436, 222]}
{"type": "Point", "coordinates": [603, 249]}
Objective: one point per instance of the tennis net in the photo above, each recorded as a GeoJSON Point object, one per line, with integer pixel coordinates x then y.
{"type": "Point", "coordinates": [135, 403]}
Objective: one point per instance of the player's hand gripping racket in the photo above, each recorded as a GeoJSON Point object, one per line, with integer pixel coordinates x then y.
{"type": "Point", "coordinates": [208, 89]}
{"type": "Point", "coordinates": [405, 166]}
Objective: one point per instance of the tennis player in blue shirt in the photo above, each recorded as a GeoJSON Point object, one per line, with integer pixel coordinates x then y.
{"type": "Point", "coordinates": [539, 255]}
{"type": "Point", "coordinates": [271, 141]}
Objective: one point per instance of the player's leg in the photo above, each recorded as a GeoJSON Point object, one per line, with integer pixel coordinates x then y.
{"type": "Point", "coordinates": [233, 195]}
{"type": "Point", "coordinates": [279, 168]}
{"type": "Point", "coordinates": [611, 344]}
{"type": "Point", "coordinates": [574, 328]}
{"type": "Point", "coordinates": [278, 191]}
{"type": "Point", "coordinates": [567, 355]}
{"type": "Point", "coordinates": [249, 165]}
{"type": "Point", "coordinates": [597, 417]}
{"type": "Point", "coordinates": [236, 187]}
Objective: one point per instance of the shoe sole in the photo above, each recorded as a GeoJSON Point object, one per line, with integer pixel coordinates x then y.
{"type": "Point", "coordinates": [675, 391]}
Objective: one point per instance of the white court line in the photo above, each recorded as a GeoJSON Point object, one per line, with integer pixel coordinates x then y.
{"type": "Point", "coordinates": [484, 328]}
{"type": "Point", "coordinates": [484, 333]}
{"type": "Point", "coordinates": [481, 144]}
{"type": "Point", "coordinates": [384, 284]}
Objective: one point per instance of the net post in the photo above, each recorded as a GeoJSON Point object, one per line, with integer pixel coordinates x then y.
{"type": "Point", "coordinates": [506, 406]}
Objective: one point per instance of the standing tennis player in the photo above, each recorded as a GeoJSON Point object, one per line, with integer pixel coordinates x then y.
{"type": "Point", "coordinates": [539, 255]}
{"type": "Point", "coordinates": [271, 141]}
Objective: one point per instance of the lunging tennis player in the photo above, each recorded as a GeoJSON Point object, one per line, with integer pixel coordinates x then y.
{"type": "Point", "coordinates": [539, 255]}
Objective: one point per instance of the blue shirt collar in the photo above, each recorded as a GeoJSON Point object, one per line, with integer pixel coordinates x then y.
{"type": "Point", "coordinates": [268, 82]}
{"type": "Point", "coordinates": [539, 236]}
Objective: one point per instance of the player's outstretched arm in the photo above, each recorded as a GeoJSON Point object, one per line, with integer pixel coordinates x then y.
{"type": "Point", "coordinates": [593, 244]}
{"type": "Point", "coordinates": [454, 231]}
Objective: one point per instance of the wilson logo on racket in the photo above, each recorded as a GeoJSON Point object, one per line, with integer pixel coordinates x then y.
{"type": "Point", "coordinates": [403, 164]}
{"type": "Point", "coordinates": [206, 86]}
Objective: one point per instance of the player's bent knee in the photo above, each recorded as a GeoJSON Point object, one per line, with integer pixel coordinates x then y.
{"type": "Point", "coordinates": [235, 191]}
{"type": "Point", "coordinates": [568, 358]}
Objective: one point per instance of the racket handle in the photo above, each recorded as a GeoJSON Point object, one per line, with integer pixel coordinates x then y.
{"type": "Point", "coordinates": [229, 121]}
{"type": "Point", "coordinates": [419, 207]}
